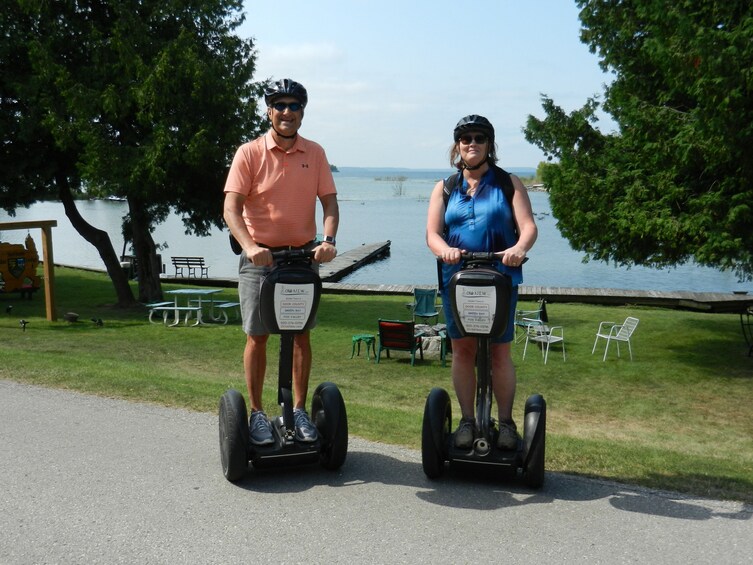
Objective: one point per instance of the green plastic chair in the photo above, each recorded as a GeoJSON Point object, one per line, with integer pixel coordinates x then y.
{"type": "Point", "coordinates": [424, 304]}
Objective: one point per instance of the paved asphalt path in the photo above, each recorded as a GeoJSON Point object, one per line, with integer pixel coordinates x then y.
{"type": "Point", "coordinates": [93, 480]}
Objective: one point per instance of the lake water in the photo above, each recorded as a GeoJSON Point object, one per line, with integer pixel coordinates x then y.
{"type": "Point", "coordinates": [376, 207]}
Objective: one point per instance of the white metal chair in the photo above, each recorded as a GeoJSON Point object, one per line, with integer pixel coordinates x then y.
{"type": "Point", "coordinates": [546, 336]}
{"type": "Point", "coordinates": [524, 319]}
{"type": "Point", "coordinates": [612, 331]}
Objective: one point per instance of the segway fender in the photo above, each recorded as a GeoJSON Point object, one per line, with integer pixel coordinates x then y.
{"type": "Point", "coordinates": [331, 420]}
{"type": "Point", "coordinates": [233, 426]}
{"type": "Point", "coordinates": [326, 423]}
{"type": "Point", "coordinates": [535, 411]}
{"type": "Point", "coordinates": [436, 409]}
{"type": "Point", "coordinates": [435, 432]}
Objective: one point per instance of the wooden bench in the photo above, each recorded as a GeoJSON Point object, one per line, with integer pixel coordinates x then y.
{"type": "Point", "coordinates": [191, 264]}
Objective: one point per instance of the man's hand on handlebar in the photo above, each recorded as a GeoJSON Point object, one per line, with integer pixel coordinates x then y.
{"type": "Point", "coordinates": [324, 252]}
{"type": "Point", "coordinates": [259, 256]}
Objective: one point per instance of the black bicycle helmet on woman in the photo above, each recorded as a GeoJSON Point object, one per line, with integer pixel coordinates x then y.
{"type": "Point", "coordinates": [474, 122]}
{"type": "Point", "coordinates": [283, 88]}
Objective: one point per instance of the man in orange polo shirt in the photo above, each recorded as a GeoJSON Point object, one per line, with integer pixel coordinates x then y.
{"type": "Point", "coordinates": [270, 202]}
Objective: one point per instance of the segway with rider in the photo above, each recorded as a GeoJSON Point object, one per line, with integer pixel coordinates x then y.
{"type": "Point", "coordinates": [480, 226]}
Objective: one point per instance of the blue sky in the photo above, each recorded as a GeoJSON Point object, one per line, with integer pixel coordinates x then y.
{"type": "Point", "coordinates": [388, 80]}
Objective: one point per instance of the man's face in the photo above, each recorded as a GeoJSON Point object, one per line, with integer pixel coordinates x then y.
{"type": "Point", "coordinates": [285, 121]}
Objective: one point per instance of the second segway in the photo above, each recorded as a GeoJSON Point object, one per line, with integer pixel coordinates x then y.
{"type": "Point", "coordinates": [480, 301]}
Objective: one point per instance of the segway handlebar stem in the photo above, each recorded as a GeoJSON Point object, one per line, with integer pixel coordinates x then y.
{"type": "Point", "coordinates": [292, 255]}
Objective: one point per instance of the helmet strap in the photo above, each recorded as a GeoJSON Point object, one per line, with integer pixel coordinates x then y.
{"type": "Point", "coordinates": [285, 136]}
{"type": "Point", "coordinates": [475, 167]}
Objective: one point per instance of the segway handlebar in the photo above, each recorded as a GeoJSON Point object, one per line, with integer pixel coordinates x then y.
{"type": "Point", "coordinates": [487, 256]}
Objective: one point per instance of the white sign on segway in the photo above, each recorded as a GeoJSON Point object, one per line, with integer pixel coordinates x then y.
{"type": "Point", "coordinates": [476, 307]}
{"type": "Point", "coordinates": [293, 303]}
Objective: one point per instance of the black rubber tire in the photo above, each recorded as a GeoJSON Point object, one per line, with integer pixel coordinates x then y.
{"type": "Point", "coordinates": [534, 436]}
{"type": "Point", "coordinates": [233, 424]}
{"type": "Point", "coordinates": [331, 420]}
{"type": "Point", "coordinates": [435, 431]}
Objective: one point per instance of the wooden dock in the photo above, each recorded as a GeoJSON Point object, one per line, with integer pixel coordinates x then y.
{"type": "Point", "coordinates": [713, 302]}
{"type": "Point", "coordinates": [684, 300]}
{"type": "Point", "coordinates": [347, 262]}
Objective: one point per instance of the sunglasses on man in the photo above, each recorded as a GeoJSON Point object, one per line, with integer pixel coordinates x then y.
{"type": "Point", "coordinates": [281, 106]}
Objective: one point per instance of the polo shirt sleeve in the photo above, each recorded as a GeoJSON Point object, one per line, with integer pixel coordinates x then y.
{"type": "Point", "coordinates": [326, 184]}
{"type": "Point", "coordinates": [240, 177]}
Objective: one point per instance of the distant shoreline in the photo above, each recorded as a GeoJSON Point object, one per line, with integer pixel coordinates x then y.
{"type": "Point", "coordinates": [710, 302]}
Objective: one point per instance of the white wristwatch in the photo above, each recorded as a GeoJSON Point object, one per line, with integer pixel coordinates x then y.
{"type": "Point", "coordinates": [329, 239]}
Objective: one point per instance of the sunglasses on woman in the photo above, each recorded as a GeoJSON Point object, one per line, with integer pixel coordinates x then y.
{"type": "Point", "coordinates": [468, 139]}
{"type": "Point", "coordinates": [281, 106]}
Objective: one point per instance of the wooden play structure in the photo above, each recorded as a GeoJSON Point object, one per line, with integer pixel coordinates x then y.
{"type": "Point", "coordinates": [18, 263]}
{"type": "Point", "coordinates": [18, 267]}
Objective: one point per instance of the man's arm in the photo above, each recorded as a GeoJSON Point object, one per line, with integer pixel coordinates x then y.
{"type": "Point", "coordinates": [233, 214]}
{"type": "Point", "coordinates": [326, 252]}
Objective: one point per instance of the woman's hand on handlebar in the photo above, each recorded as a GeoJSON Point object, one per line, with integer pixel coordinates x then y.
{"type": "Point", "coordinates": [451, 255]}
{"type": "Point", "coordinates": [513, 257]}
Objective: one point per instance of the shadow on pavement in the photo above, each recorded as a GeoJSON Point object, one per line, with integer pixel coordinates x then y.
{"type": "Point", "coordinates": [473, 489]}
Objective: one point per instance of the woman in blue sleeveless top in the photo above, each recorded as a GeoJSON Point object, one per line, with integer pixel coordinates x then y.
{"type": "Point", "coordinates": [479, 217]}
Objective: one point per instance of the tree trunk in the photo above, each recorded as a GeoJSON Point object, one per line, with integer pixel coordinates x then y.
{"type": "Point", "coordinates": [148, 267]}
{"type": "Point", "coordinates": [101, 241]}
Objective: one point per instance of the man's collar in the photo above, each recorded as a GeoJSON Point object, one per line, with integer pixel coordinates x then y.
{"type": "Point", "coordinates": [298, 145]}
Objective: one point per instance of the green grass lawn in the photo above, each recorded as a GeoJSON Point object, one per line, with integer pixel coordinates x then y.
{"type": "Point", "coordinates": [677, 417]}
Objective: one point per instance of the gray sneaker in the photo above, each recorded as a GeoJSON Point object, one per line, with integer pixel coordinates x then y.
{"type": "Point", "coordinates": [304, 429]}
{"type": "Point", "coordinates": [260, 430]}
{"type": "Point", "coordinates": [508, 436]}
{"type": "Point", "coordinates": [465, 434]}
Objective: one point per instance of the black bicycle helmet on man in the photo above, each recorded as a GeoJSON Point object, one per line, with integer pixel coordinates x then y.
{"type": "Point", "coordinates": [285, 87]}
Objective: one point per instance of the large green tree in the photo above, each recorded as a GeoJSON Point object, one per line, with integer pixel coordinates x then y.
{"type": "Point", "coordinates": [675, 182]}
{"type": "Point", "coordinates": [144, 99]}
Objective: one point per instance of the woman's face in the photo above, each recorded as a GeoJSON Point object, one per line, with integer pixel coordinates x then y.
{"type": "Point", "coordinates": [474, 147]}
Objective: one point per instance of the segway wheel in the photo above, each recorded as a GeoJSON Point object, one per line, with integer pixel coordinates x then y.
{"type": "Point", "coordinates": [331, 420]}
{"type": "Point", "coordinates": [233, 435]}
{"type": "Point", "coordinates": [435, 431]}
{"type": "Point", "coordinates": [534, 436]}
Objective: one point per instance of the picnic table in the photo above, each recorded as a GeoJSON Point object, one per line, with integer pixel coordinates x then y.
{"type": "Point", "coordinates": [188, 302]}
{"type": "Point", "coordinates": [195, 300]}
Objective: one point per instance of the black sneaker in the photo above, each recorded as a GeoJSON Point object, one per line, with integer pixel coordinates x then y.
{"type": "Point", "coordinates": [465, 434]}
{"type": "Point", "coordinates": [508, 436]}
{"type": "Point", "coordinates": [259, 428]}
{"type": "Point", "coordinates": [304, 430]}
